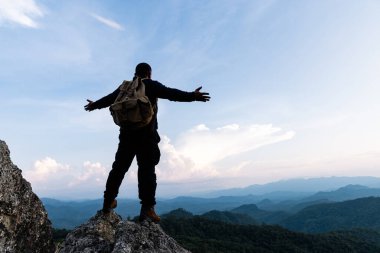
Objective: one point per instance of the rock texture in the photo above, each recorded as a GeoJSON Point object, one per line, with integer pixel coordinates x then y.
{"type": "Point", "coordinates": [97, 235]}
{"type": "Point", "coordinates": [24, 225]}
{"type": "Point", "coordinates": [109, 234]}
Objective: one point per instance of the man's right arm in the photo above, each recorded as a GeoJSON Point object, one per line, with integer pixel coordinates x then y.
{"type": "Point", "coordinates": [103, 102]}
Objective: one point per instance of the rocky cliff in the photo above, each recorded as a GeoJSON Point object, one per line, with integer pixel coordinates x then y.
{"type": "Point", "coordinates": [110, 234]}
{"type": "Point", "coordinates": [24, 225]}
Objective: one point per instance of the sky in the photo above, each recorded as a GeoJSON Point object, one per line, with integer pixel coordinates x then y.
{"type": "Point", "coordinates": [294, 87]}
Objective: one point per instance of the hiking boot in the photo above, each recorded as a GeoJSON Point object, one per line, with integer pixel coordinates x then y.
{"type": "Point", "coordinates": [148, 213]}
{"type": "Point", "coordinates": [108, 205]}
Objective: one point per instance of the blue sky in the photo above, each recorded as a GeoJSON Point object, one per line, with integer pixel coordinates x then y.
{"type": "Point", "coordinates": [294, 86]}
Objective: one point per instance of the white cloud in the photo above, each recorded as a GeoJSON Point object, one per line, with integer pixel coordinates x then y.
{"type": "Point", "coordinates": [209, 146]}
{"type": "Point", "coordinates": [176, 166]}
{"type": "Point", "coordinates": [93, 173]}
{"type": "Point", "coordinates": [108, 22]}
{"type": "Point", "coordinates": [21, 12]}
{"type": "Point", "coordinates": [45, 169]}
{"type": "Point", "coordinates": [50, 178]}
{"type": "Point", "coordinates": [199, 151]}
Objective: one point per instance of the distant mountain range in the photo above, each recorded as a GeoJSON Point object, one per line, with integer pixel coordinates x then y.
{"type": "Point", "coordinates": [270, 208]}
{"type": "Point", "coordinates": [302, 187]}
{"type": "Point", "coordinates": [340, 226]}
{"type": "Point", "coordinates": [347, 192]}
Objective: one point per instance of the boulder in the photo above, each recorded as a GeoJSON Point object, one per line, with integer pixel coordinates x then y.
{"type": "Point", "coordinates": [108, 233]}
{"type": "Point", "coordinates": [24, 224]}
{"type": "Point", "coordinates": [97, 235]}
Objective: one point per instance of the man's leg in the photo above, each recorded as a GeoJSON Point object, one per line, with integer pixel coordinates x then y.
{"type": "Point", "coordinates": [123, 159]}
{"type": "Point", "coordinates": [147, 159]}
{"type": "Point", "coordinates": [148, 156]}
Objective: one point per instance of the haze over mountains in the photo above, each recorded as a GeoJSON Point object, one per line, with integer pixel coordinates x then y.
{"type": "Point", "coordinates": [272, 202]}
{"type": "Point", "coordinates": [301, 186]}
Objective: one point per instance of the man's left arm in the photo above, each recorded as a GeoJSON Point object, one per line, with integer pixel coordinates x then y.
{"type": "Point", "coordinates": [172, 94]}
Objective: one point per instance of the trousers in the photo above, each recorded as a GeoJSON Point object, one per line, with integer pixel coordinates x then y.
{"type": "Point", "coordinates": [142, 144]}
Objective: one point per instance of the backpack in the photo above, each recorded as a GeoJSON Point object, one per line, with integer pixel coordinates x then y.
{"type": "Point", "coordinates": [132, 108]}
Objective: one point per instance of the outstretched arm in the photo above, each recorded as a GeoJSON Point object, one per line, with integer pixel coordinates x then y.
{"type": "Point", "coordinates": [103, 102]}
{"type": "Point", "coordinates": [157, 89]}
{"type": "Point", "coordinates": [201, 96]}
{"type": "Point", "coordinates": [90, 106]}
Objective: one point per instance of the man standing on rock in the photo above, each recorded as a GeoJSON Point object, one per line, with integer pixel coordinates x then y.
{"type": "Point", "coordinates": [141, 142]}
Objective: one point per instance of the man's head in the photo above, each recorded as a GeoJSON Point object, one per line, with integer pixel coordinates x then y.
{"type": "Point", "coordinates": [143, 70]}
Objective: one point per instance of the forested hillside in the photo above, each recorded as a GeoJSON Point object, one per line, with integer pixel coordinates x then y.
{"type": "Point", "coordinates": [201, 235]}
{"type": "Point", "coordinates": [358, 213]}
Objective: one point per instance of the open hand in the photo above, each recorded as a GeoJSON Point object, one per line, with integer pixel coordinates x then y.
{"type": "Point", "coordinates": [89, 107]}
{"type": "Point", "coordinates": [201, 96]}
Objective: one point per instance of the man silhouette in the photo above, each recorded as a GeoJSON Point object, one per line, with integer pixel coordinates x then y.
{"type": "Point", "coordinates": [142, 143]}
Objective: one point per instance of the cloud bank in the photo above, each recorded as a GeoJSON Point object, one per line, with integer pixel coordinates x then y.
{"type": "Point", "coordinates": [199, 152]}
{"type": "Point", "coordinates": [195, 155]}
{"type": "Point", "coordinates": [53, 179]}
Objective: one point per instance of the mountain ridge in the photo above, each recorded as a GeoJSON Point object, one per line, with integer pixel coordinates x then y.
{"type": "Point", "coordinates": [305, 185]}
{"type": "Point", "coordinates": [350, 214]}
